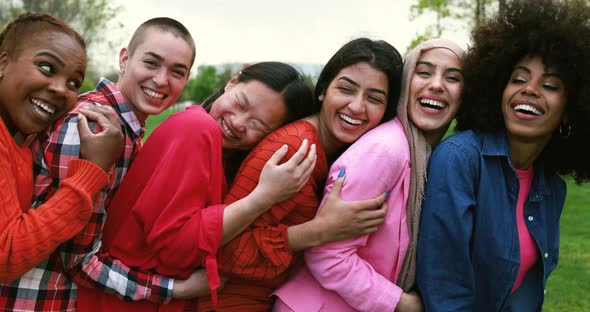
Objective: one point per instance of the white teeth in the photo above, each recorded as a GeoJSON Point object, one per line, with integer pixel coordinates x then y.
{"type": "Point", "coordinates": [350, 120]}
{"type": "Point", "coordinates": [432, 103]}
{"type": "Point", "coordinates": [44, 106]}
{"type": "Point", "coordinates": [528, 108]}
{"type": "Point", "coordinates": [153, 93]}
{"type": "Point", "coordinates": [226, 129]}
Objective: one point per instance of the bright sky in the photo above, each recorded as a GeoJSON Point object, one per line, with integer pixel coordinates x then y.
{"type": "Point", "coordinates": [294, 31]}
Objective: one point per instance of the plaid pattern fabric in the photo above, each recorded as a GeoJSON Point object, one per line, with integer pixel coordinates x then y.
{"type": "Point", "coordinates": [51, 286]}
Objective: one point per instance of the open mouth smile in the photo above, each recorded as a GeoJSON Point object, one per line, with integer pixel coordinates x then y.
{"type": "Point", "coordinates": [225, 128]}
{"type": "Point", "coordinates": [349, 120]}
{"type": "Point", "coordinates": [152, 93]}
{"type": "Point", "coordinates": [527, 110]}
{"type": "Point", "coordinates": [43, 107]}
{"type": "Point", "coordinates": [432, 104]}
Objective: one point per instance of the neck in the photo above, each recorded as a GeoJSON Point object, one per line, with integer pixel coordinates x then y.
{"type": "Point", "coordinates": [524, 153]}
{"type": "Point", "coordinates": [329, 143]}
{"type": "Point", "coordinates": [19, 138]}
{"type": "Point", "coordinates": [433, 138]}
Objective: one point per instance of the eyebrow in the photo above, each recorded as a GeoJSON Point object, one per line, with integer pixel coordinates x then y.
{"type": "Point", "coordinates": [246, 101]}
{"type": "Point", "coordinates": [545, 74]}
{"type": "Point", "coordinates": [52, 56]}
{"type": "Point", "coordinates": [57, 60]}
{"type": "Point", "coordinates": [357, 85]}
{"type": "Point", "coordinates": [450, 69]}
{"type": "Point", "coordinates": [160, 58]}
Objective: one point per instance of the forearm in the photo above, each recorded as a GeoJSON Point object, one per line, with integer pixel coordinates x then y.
{"type": "Point", "coordinates": [240, 214]}
{"type": "Point", "coordinates": [28, 238]}
{"type": "Point", "coordinates": [306, 235]}
{"type": "Point", "coordinates": [338, 267]}
{"type": "Point", "coordinates": [111, 275]}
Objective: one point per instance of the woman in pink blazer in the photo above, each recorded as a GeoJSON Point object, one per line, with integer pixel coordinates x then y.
{"type": "Point", "coordinates": [376, 272]}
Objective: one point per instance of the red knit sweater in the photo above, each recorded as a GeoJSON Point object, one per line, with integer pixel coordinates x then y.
{"type": "Point", "coordinates": [259, 259]}
{"type": "Point", "coordinates": [27, 236]}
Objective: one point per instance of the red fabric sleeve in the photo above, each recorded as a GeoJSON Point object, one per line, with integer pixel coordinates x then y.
{"type": "Point", "coordinates": [262, 252]}
{"type": "Point", "coordinates": [27, 236]}
{"type": "Point", "coordinates": [179, 206]}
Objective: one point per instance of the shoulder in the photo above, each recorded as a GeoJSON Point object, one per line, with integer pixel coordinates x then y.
{"type": "Point", "coordinates": [466, 143]}
{"type": "Point", "coordinates": [189, 124]}
{"type": "Point", "coordinates": [388, 139]}
{"type": "Point", "coordinates": [292, 134]}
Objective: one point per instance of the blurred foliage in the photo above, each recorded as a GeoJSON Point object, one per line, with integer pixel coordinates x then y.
{"type": "Point", "coordinates": [88, 17]}
{"type": "Point", "coordinates": [465, 13]}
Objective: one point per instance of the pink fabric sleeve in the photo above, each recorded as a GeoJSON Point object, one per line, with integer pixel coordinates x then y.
{"type": "Point", "coordinates": [337, 266]}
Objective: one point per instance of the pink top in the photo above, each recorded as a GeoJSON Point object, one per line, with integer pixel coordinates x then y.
{"type": "Point", "coordinates": [360, 273]}
{"type": "Point", "coordinates": [528, 249]}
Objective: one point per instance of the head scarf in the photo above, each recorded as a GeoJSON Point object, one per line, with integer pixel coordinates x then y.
{"type": "Point", "coordinates": [419, 153]}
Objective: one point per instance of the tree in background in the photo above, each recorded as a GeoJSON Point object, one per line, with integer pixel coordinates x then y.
{"type": "Point", "coordinates": [203, 85]}
{"type": "Point", "coordinates": [91, 18]}
{"type": "Point", "coordinates": [88, 17]}
{"type": "Point", "coordinates": [467, 13]}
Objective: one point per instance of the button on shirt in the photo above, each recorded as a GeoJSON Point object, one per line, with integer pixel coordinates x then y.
{"type": "Point", "coordinates": [468, 249]}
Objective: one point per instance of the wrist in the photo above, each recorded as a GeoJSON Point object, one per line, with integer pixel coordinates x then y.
{"type": "Point", "coordinates": [259, 201]}
{"type": "Point", "coordinates": [178, 290]}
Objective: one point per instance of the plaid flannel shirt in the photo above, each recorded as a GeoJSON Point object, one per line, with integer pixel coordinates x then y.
{"type": "Point", "coordinates": [52, 285]}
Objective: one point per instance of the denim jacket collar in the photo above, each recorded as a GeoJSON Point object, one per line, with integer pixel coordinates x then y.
{"type": "Point", "coordinates": [496, 144]}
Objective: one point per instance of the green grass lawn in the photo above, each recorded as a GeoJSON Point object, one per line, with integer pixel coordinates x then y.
{"type": "Point", "coordinates": [569, 285]}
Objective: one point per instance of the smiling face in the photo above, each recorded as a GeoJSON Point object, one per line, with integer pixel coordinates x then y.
{"type": "Point", "coordinates": [41, 82]}
{"type": "Point", "coordinates": [533, 101]}
{"type": "Point", "coordinates": [354, 102]}
{"type": "Point", "coordinates": [435, 92]}
{"type": "Point", "coordinates": [247, 112]}
{"type": "Point", "coordinates": [153, 76]}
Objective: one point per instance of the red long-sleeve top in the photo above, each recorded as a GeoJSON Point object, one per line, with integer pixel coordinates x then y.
{"type": "Point", "coordinates": [258, 260]}
{"type": "Point", "coordinates": [27, 236]}
{"type": "Point", "coordinates": [167, 215]}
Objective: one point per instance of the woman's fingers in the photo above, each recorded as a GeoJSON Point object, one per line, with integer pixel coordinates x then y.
{"type": "Point", "coordinates": [299, 155]}
{"type": "Point", "coordinates": [278, 155]}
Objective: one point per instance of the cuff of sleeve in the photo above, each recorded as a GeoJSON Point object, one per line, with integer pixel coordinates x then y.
{"type": "Point", "coordinates": [211, 229]}
{"type": "Point", "coordinates": [161, 289]}
{"type": "Point", "coordinates": [388, 298]}
{"type": "Point", "coordinates": [86, 176]}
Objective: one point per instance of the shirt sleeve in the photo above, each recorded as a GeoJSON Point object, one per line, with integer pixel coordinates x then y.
{"type": "Point", "coordinates": [337, 266]}
{"type": "Point", "coordinates": [27, 236]}
{"type": "Point", "coordinates": [180, 207]}
{"type": "Point", "coordinates": [262, 251]}
{"type": "Point", "coordinates": [445, 275]}
{"type": "Point", "coordinates": [81, 260]}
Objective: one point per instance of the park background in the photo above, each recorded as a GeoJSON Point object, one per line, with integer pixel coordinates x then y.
{"type": "Point", "coordinates": [230, 34]}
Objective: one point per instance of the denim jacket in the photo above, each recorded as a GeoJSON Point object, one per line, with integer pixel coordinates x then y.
{"type": "Point", "coordinates": [468, 248]}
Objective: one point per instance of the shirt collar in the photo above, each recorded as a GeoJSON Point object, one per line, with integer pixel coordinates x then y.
{"type": "Point", "coordinates": [496, 144]}
{"type": "Point", "coordinates": [120, 104]}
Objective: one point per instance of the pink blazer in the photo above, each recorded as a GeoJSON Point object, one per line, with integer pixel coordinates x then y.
{"type": "Point", "coordinates": [360, 274]}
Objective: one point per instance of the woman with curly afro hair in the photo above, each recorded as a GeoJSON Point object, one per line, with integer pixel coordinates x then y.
{"type": "Point", "coordinates": [494, 196]}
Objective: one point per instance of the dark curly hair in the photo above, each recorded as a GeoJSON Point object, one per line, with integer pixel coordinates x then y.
{"type": "Point", "coordinates": [558, 32]}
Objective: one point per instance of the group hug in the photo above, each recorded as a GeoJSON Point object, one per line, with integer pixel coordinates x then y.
{"type": "Point", "coordinates": [270, 196]}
